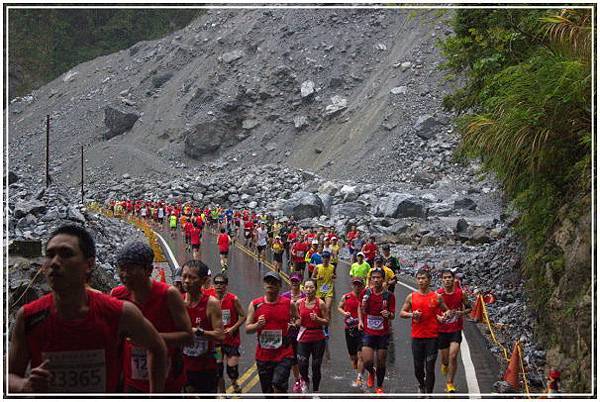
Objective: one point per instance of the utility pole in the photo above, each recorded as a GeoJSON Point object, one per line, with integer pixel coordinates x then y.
{"type": "Point", "coordinates": [47, 150]}
{"type": "Point", "coordinates": [82, 174]}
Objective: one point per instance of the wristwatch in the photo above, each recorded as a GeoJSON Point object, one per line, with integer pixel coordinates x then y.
{"type": "Point", "coordinates": [199, 331]}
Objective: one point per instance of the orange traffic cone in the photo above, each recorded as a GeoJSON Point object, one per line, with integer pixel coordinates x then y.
{"type": "Point", "coordinates": [161, 275]}
{"type": "Point", "coordinates": [477, 312]}
{"type": "Point", "coordinates": [511, 375]}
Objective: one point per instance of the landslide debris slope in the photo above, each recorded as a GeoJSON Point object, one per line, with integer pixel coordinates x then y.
{"type": "Point", "coordinates": [347, 93]}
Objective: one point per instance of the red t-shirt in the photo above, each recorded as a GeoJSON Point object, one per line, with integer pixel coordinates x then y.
{"type": "Point", "coordinates": [427, 326]}
{"type": "Point", "coordinates": [350, 236]}
{"type": "Point", "coordinates": [310, 331]}
{"type": "Point", "coordinates": [223, 242]}
{"type": "Point", "coordinates": [351, 304]}
{"type": "Point", "coordinates": [195, 233]}
{"type": "Point", "coordinates": [370, 251]}
{"type": "Point", "coordinates": [188, 228]}
{"type": "Point", "coordinates": [230, 317]}
{"type": "Point", "coordinates": [373, 321]}
{"type": "Point", "coordinates": [299, 250]}
{"type": "Point", "coordinates": [271, 344]}
{"type": "Point", "coordinates": [249, 226]}
{"type": "Point", "coordinates": [89, 347]}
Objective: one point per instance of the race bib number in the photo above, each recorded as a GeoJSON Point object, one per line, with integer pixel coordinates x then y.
{"type": "Point", "coordinates": [199, 348]}
{"type": "Point", "coordinates": [324, 288]}
{"type": "Point", "coordinates": [139, 363]}
{"type": "Point", "coordinates": [270, 339]}
{"type": "Point", "coordinates": [77, 371]}
{"type": "Point", "coordinates": [226, 317]}
{"type": "Point", "coordinates": [374, 322]}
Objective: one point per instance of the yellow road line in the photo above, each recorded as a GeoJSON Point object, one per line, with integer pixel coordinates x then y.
{"type": "Point", "coordinates": [247, 374]}
{"type": "Point", "coordinates": [250, 384]}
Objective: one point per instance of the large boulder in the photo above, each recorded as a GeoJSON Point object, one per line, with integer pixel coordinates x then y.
{"type": "Point", "coordinates": [426, 126]}
{"type": "Point", "coordinates": [349, 209]}
{"type": "Point", "coordinates": [35, 207]}
{"type": "Point", "coordinates": [207, 137]}
{"type": "Point", "coordinates": [118, 121]}
{"type": "Point", "coordinates": [303, 205]}
{"type": "Point", "coordinates": [465, 203]}
{"type": "Point", "coordinates": [398, 205]}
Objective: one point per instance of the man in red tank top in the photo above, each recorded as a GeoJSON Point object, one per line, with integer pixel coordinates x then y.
{"type": "Point", "coordinates": [270, 317]}
{"type": "Point", "coordinates": [233, 318]}
{"type": "Point", "coordinates": [163, 306]}
{"type": "Point", "coordinates": [422, 307]}
{"type": "Point", "coordinates": [377, 309]}
{"type": "Point", "coordinates": [71, 337]}
{"type": "Point", "coordinates": [451, 328]}
{"type": "Point", "coordinates": [205, 313]}
{"type": "Point", "coordinates": [223, 242]}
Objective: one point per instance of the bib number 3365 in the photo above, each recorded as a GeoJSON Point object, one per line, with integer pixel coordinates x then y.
{"type": "Point", "coordinates": [80, 371]}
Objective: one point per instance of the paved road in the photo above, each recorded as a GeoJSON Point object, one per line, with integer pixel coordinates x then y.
{"type": "Point", "coordinates": [245, 280]}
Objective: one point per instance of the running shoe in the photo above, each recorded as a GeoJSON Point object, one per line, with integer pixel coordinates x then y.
{"type": "Point", "coordinates": [304, 386]}
{"type": "Point", "coordinates": [358, 382]}
{"type": "Point", "coordinates": [422, 389]}
{"type": "Point", "coordinates": [450, 388]}
{"type": "Point", "coordinates": [371, 380]}
{"type": "Point", "coordinates": [444, 369]}
{"type": "Point", "coordinates": [297, 388]}
{"type": "Point", "coordinates": [379, 390]}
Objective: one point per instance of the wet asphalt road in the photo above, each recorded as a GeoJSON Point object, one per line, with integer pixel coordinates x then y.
{"type": "Point", "coordinates": [245, 280]}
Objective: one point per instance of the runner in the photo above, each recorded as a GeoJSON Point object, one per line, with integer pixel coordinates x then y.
{"type": "Point", "coordinates": [324, 275]}
{"type": "Point", "coordinates": [348, 306]}
{"type": "Point", "coordinates": [422, 306]}
{"type": "Point", "coordinates": [390, 277]}
{"type": "Point", "coordinates": [295, 294]}
{"type": "Point", "coordinates": [313, 256]}
{"type": "Point", "coordinates": [370, 250]}
{"type": "Point", "coordinates": [450, 335]}
{"type": "Point", "coordinates": [233, 318]}
{"type": "Point", "coordinates": [162, 305]}
{"type": "Point", "coordinates": [188, 235]}
{"type": "Point", "coordinates": [298, 252]}
{"type": "Point", "coordinates": [173, 225]}
{"type": "Point", "coordinates": [335, 251]}
{"type": "Point", "coordinates": [377, 309]}
{"type": "Point", "coordinates": [269, 316]}
{"type": "Point", "coordinates": [360, 268]}
{"type": "Point", "coordinates": [261, 241]}
{"type": "Point", "coordinates": [248, 231]}
{"type": "Point", "coordinates": [74, 333]}
{"type": "Point", "coordinates": [391, 262]}
{"type": "Point", "coordinates": [223, 242]}
{"type": "Point", "coordinates": [350, 235]}
{"type": "Point", "coordinates": [205, 313]}
{"type": "Point", "coordinates": [277, 248]}
{"type": "Point", "coordinates": [311, 337]}
{"type": "Point", "coordinates": [195, 240]}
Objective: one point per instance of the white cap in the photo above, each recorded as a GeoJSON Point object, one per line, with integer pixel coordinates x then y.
{"type": "Point", "coordinates": [315, 241]}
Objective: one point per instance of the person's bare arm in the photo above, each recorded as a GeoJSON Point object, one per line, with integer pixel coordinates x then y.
{"type": "Point", "coordinates": [407, 307]}
{"type": "Point", "coordinates": [241, 317]}
{"type": "Point", "coordinates": [181, 319]}
{"type": "Point", "coordinates": [251, 326]}
{"type": "Point", "coordinates": [18, 359]}
{"type": "Point", "coordinates": [141, 332]}
{"type": "Point", "coordinates": [466, 305]}
{"type": "Point", "coordinates": [323, 320]}
{"type": "Point", "coordinates": [341, 307]}
{"type": "Point", "coordinates": [213, 309]}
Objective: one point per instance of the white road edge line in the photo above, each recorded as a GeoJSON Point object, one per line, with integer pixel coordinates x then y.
{"type": "Point", "coordinates": [465, 352]}
{"type": "Point", "coordinates": [166, 246]}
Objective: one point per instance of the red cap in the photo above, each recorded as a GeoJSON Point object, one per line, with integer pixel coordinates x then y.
{"type": "Point", "coordinates": [554, 374]}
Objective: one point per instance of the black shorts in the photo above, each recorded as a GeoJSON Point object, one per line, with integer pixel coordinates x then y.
{"type": "Point", "coordinates": [301, 266]}
{"type": "Point", "coordinates": [224, 253]}
{"type": "Point", "coordinates": [376, 342]}
{"type": "Point", "coordinates": [195, 247]}
{"type": "Point", "coordinates": [247, 235]}
{"type": "Point", "coordinates": [230, 350]}
{"type": "Point", "coordinates": [274, 374]}
{"type": "Point", "coordinates": [203, 382]}
{"type": "Point", "coordinates": [278, 257]}
{"type": "Point", "coordinates": [261, 248]}
{"type": "Point", "coordinates": [445, 338]}
{"type": "Point", "coordinates": [353, 340]}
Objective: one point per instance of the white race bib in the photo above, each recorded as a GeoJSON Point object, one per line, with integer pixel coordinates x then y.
{"type": "Point", "coordinates": [226, 317]}
{"type": "Point", "coordinates": [270, 339]}
{"type": "Point", "coordinates": [77, 371]}
{"type": "Point", "coordinates": [199, 348]}
{"type": "Point", "coordinates": [139, 363]}
{"type": "Point", "coordinates": [374, 322]}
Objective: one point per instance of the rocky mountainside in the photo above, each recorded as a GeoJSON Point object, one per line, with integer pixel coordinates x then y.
{"type": "Point", "coordinates": [331, 115]}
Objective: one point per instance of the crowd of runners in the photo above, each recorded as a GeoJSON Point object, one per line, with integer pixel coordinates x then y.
{"type": "Point", "coordinates": [148, 336]}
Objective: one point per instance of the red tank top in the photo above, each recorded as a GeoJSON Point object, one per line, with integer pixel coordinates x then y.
{"type": "Point", "coordinates": [201, 355]}
{"type": "Point", "coordinates": [310, 331]}
{"type": "Point", "coordinates": [427, 326]}
{"type": "Point", "coordinates": [453, 301]}
{"type": "Point", "coordinates": [195, 236]}
{"type": "Point", "coordinates": [230, 317]}
{"type": "Point", "coordinates": [373, 304]}
{"type": "Point", "coordinates": [85, 352]}
{"type": "Point", "coordinates": [156, 310]}
{"type": "Point", "coordinates": [272, 345]}
{"type": "Point", "coordinates": [223, 242]}
{"type": "Point", "coordinates": [351, 304]}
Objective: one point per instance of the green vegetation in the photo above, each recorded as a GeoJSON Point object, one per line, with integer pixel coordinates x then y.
{"type": "Point", "coordinates": [526, 112]}
{"type": "Point", "coordinates": [48, 42]}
